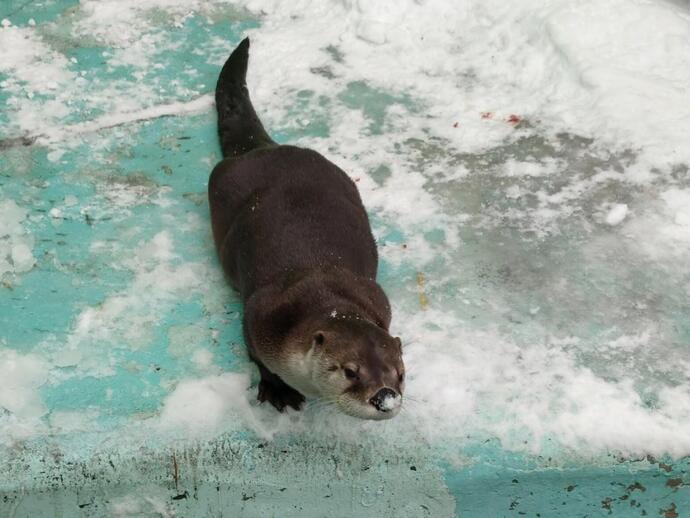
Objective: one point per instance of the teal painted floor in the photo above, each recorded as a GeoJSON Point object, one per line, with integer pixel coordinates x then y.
{"type": "Point", "coordinates": [545, 353]}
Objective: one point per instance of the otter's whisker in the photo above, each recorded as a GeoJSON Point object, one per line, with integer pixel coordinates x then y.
{"type": "Point", "coordinates": [410, 341]}
{"type": "Point", "coordinates": [320, 403]}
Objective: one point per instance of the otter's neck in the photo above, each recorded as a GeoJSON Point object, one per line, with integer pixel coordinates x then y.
{"type": "Point", "coordinates": [340, 291]}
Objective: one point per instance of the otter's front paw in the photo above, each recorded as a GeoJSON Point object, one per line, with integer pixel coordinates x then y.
{"type": "Point", "coordinates": [280, 395]}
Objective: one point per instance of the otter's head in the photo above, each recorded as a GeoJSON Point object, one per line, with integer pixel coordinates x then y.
{"type": "Point", "coordinates": [358, 366]}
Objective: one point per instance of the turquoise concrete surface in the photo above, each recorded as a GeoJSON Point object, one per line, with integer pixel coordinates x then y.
{"type": "Point", "coordinates": [80, 473]}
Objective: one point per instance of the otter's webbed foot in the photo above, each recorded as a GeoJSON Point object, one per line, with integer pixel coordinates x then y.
{"type": "Point", "coordinates": [277, 392]}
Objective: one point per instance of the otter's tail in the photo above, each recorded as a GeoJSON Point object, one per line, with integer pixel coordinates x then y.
{"type": "Point", "coordinates": [239, 127]}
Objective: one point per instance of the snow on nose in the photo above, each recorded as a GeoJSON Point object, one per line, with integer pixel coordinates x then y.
{"type": "Point", "coordinates": [386, 400]}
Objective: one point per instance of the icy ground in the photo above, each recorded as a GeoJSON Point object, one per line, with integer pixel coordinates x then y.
{"type": "Point", "coordinates": [526, 166]}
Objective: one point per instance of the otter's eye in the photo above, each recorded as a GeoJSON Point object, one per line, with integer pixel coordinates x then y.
{"type": "Point", "coordinates": [319, 339]}
{"type": "Point", "coordinates": [350, 374]}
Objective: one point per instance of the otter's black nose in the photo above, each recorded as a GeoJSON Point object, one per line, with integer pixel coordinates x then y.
{"type": "Point", "coordinates": [384, 399]}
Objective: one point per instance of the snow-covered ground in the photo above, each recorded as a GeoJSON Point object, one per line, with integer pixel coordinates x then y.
{"type": "Point", "coordinates": [525, 164]}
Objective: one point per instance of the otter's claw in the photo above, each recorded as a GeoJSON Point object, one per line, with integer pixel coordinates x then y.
{"type": "Point", "coordinates": [279, 395]}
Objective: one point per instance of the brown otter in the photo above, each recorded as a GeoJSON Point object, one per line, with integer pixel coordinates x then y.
{"type": "Point", "coordinates": [294, 239]}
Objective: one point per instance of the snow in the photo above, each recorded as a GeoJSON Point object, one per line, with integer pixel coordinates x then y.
{"type": "Point", "coordinates": [21, 405]}
{"type": "Point", "coordinates": [390, 402]}
{"type": "Point", "coordinates": [204, 407]}
{"type": "Point", "coordinates": [200, 104]}
{"type": "Point", "coordinates": [662, 232]}
{"type": "Point", "coordinates": [15, 243]}
{"type": "Point", "coordinates": [518, 168]}
{"type": "Point", "coordinates": [137, 505]}
{"type": "Point", "coordinates": [616, 214]}
{"type": "Point", "coordinates": [126, 317]}
{"type": "Point", "coordinates": [202, 358]}
{"type": "Point", "coordinates": [489, 383]}
{"type": "Point", "coordinates": [21, 376]}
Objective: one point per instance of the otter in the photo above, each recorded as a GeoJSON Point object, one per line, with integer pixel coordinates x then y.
{"type": "Point", "coordinates": [294, 240]}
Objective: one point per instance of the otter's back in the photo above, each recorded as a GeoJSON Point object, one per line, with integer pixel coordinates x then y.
{"type": "Point", "coordinates": [282, 210]}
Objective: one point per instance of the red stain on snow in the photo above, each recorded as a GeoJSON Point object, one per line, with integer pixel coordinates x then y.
{"type": "Point", "coordinates": [487, 115]}
{"type": "Point", "coordinates": [513, 119]}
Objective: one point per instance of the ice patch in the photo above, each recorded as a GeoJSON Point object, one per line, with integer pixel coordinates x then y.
{"type": "Point", "coordinates": [203, 359]}
{"type": "Point", "coordinates": [131, 506]}
{"type": "Point", "coordinates": [678, 204]}
{"type": "Point", "coordinates": [31, 65]}
{"type": "Point", "coordinates": [183, 341]}
{"type": "Point", "coordinates": [31, 68]}
{"type": "Point", "coordinates": [42, 86]}
{"type": "Point", "coordinates": [21, 405]}
{"type": "Point", "coordinates": [15, 243]}
{"type": "Point", "coordinates": [119, 23]}
{"type": "Point", "coordinates": [518, 168]}
{"type": "Point", "coordinates": [663, 229]}
{"type": "Point", "coordinates": [111, 120]}
{"type": "Point", "coordinates": [128, 318]}
{"type": "Point", "coordinates": [72, 421]}
{"type": "Point", "coordinates": [21, 376]}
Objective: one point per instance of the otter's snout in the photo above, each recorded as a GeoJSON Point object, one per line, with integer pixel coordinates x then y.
{"type": "Point", "coordinates": [385, 400]}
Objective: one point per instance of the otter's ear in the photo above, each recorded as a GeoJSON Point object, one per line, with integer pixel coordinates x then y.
{"type": "Point", "coordinates": [319, 339]}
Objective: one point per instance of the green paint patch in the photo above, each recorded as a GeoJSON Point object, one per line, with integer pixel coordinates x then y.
{"type": "Point", "coordinates": [373, 103]}
{"type": "Point", "coordinates": [311, 113]}
{"type": "Point", "coordinates": [626, 489]}
{"type": "Point", "coordinates": [19, 12]}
